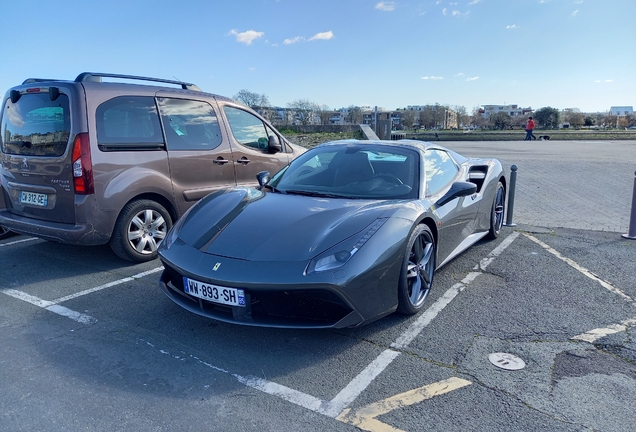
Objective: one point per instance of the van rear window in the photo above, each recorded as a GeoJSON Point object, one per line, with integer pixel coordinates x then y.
{"type": "Point", "coordinates": [35, 125]}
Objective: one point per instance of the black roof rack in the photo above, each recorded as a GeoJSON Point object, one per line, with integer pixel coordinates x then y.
{"type": "Point", "coordinates": [37, 80]}
{"type": "Point", "coordinates": [97, 77]}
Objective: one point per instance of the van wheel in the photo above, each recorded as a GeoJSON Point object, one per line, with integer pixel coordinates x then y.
{"type": "Point", "coordinates": [141, 226]}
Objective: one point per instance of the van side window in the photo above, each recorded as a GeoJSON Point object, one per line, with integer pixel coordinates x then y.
{"type": "Point", "coordinates": [247, 129]}
{"type": "Point", "coordinates": [128, 123]}
{"type": "Point", "coordinates": [189, 124]}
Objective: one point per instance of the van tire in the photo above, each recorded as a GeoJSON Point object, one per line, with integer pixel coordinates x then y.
{"type": "Point", "coordinates": [140, 227]}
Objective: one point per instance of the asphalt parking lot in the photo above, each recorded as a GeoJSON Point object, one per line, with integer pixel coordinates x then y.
{"type": "Point", "coordinates": [90, 343]}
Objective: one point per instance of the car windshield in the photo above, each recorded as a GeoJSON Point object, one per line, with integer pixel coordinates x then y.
{"type": "Point", "coordinates": [365, 171]}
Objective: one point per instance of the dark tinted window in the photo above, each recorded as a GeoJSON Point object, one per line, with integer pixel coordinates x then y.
{"type": "Point", "coordinates": [128, 123]}
{"type": "Point", "coordinates": [35, 125]}
{"type": "Point", "coordinates": [368, 172]}
{"type": "Point", "coordinates": [189, 125]}
{"type": "Point", "coordinates": [247, 129]}
{"type": "Point", "coordinates": [440, 170]}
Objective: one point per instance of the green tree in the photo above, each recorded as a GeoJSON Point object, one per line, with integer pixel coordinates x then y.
{"type": "Point", "coordinates": [500, 120]}
{"type": "Point", "coordinates": [547, 117]}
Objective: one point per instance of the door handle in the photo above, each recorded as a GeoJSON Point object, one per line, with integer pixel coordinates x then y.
{"type": "Point", "coordinates": [220, 161]}
{"type": "Point", "coordinates": [244, 160]}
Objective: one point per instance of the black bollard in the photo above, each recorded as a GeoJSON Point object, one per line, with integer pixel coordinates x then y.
{"type": "Point", "coordinates": [632, 220]}
{"type": "Point", "coordinates": [511, 196]}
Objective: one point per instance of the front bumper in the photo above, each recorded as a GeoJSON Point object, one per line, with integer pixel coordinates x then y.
{"type": "Point", "coordinates": [279, 295]}
{"type": "Point", "coordinates": [78, 234]}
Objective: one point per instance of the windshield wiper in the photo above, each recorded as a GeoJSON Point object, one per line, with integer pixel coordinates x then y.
{"type": "Point", "coordinates": [314, 194]}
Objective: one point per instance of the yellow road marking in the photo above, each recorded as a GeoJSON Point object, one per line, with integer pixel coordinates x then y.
{"type": "Point", "coordinates": [365, 417]}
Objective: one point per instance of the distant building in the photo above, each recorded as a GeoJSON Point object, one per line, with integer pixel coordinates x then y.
{"type": "Point", "coordinates": [622, 111]}
{"type": "Point", "coordinates": [511, 110]}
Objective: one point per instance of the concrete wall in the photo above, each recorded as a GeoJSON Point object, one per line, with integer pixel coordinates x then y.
{"type": "Point", "coordinates": [319, 128]}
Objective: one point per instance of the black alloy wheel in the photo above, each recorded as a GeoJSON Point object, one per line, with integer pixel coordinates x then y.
{"type": "Point", "coordinates": [497, 212]}
{"type": "Point", "coordinates": [418, 270]}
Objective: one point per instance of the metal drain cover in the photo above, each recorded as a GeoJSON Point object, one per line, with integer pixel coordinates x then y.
{"type": "Point", "coordinates": [506, 361]}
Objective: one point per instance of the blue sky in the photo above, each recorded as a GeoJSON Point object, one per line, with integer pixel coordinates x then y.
{"type": "Point", "coordinates": [537, 53]}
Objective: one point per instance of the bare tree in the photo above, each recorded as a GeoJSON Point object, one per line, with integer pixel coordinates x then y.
{"type": "Point", "coordinates": [573, 116]}
{"type": "Point", "coordinates": [251, 99]}
{"type": "Point", "coordinates": [304, 110]}
{"type": "Point", "coordinates": [354, 115]}
{"type": "Point", "coordinates": [407, 118]}
{"type": "Point", "coordinates": [477, 119]}
{"type": "Point", "coordinates": [463, 118]}
{"type": "Point", "coordinates": [323, 113]}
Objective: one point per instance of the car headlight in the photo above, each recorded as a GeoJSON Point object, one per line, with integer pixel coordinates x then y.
{"type": "Point", "coordinates": [340, 254]}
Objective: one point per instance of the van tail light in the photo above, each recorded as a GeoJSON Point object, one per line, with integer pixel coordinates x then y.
{"type": "Point", "coordinates": [82, 166]}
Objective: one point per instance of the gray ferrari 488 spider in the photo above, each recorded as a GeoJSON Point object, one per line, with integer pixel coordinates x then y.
{"type": "Point", "coordinates": [348, 232]}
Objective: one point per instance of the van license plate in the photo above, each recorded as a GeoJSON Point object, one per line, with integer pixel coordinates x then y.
{"type": "Point", "coordinates": [33, 198]}
{"type": "Point", "coordinates": [214, 293]}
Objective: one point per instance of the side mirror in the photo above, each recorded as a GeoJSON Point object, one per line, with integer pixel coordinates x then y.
{"type": "Point", "coordinates": [262, 177]}
{"type": "Point", "coordinates": [273, 144]}
{"type": "Point", "coordinates": [457, 190]}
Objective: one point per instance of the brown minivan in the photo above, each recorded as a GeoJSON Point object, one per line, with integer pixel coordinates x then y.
{"type": "Point", "coordinates": [89, 162]}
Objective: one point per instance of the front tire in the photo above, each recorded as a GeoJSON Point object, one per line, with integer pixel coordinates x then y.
{"type": "Point", "coordinates": [418, 269]}
{"type": "Point", "coordinates": [497, 212]}
{"type": "Point", "coordinates": [139, 229]}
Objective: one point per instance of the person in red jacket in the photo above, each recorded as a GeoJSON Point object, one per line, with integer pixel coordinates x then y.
{"type": "Point", "coordinates": [529, 128]}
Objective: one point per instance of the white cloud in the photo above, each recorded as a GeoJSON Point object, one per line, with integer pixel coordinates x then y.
{"type": "Point", "coordinates": [575, 12]}
{"type": "Point", "coordinates": [246, 37]}
{"type": "Point", "coordinates": [459, 74]}
{"type": "Point", "coordinates": [474, 2]}
{"type": "Point", "coordinates": [293, 40]}
{"type": "Point", "coordinates": [472, 79]}
{"type": "Point", "coordinates": [385, 6]}
{"type": "Point", "coordinates": [322, 36]}
{"type": "Point", "coordinates": [513, 26]}
{"type": "Point", "coordinates": [434, 78]}
{"type": "Point", "coordinates": [609, 80]}
{"type": "Point", "coordinates": [454, 13]}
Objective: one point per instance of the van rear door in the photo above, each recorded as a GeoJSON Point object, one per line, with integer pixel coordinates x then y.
{"type": "Point", "coordinates": [36, 168]}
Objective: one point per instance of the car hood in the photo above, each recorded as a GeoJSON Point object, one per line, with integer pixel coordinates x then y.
{"type": "Point", "coordinates": [254, 225]}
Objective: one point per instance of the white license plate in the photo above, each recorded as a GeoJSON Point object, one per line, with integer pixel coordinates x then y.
{"type": "Point", "coordinates": [214, 293]}
{"type": "Point", "coordinates": [33, 198]}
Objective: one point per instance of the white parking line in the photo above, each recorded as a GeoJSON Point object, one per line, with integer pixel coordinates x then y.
{"type": "Point", "coordinates": [54, 306]}
{"type": "Point", "coordinates": [608, 286]}
{"type": "Point", "coordinates": [108, 285]}
{"type": "Point", "coordinates": [346, 396]}
{"type": "Point", "coordinates": [19, 241]}
{"type": "Point", "coordinates": [50, 306]}
{"type": "Point", "coordinates": [593, 335]}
